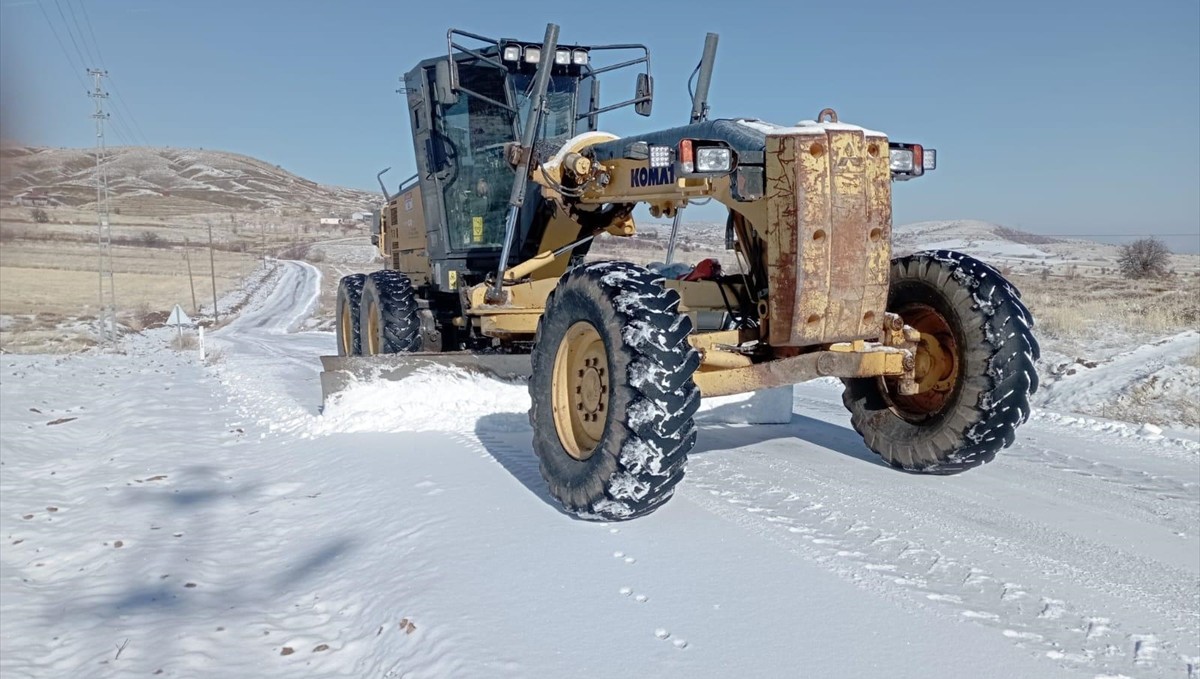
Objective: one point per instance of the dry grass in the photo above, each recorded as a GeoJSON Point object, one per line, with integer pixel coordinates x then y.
{"type": "Point", "coordinates": [1193, 360]}
{"type": "Point", "coordinates": [185, 342]}
{"type": "Point", "coordinates": [51, 279]}
{"type": "Point", "coordinates": [1144, 403]}
{"type": "Point", "coordinates": [213, 355]}
{"type": "Point", "coordinates": [1076, 310]}
{"type": "Point", "coordinates": [42, 278]}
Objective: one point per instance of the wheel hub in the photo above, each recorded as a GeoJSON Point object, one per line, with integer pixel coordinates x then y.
{"type": "Point", "coordinates": [347, 331]}
{"type": "Point", "coordinates": [580, 388]}
{"type": "Point", "coordinates": [937, 365]}
{"type": "Point", "coordinates": [591, 388]}
{"type": "Point", "coordinates": [372, 344]}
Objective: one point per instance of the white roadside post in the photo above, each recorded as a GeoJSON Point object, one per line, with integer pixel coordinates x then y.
{"type": "Point", "coordinates": [201, 327]}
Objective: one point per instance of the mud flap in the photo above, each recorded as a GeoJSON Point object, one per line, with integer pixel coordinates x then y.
{"type": "Point", "coordinates": [343, 372]}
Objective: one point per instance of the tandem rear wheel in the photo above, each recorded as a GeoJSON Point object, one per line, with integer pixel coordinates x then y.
{"type": "Point", "coordinates": [377, 313]}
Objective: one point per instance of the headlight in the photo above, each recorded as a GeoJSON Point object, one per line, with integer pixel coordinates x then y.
{"type": "Point", "coordinates": [713, 159]}
{"type": "Point", "coordinates": [909, 161]}
{"type": "Point", "coordinates": [533, 55]}
{"type": "Point", "coordinates": [901, 160]}
{"type": "Point", "coordinates": [562, 57]}
{"type": "Point", "coordinates": [579, 58]}
{"type": "Point", "coordinates": [512, 53]}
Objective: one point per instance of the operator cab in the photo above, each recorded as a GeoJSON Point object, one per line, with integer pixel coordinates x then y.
{"type": "Point", "coordinates": [468, 111]}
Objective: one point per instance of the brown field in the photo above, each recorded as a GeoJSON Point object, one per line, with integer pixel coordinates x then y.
{"type": "Point", "coordinates": [49, 272]}
{"type": "Point", "coordinates": [1073, 314]}
{"type": "Point", "coordinates": [62, 279]}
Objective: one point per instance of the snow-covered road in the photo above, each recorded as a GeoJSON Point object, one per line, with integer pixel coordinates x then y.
{"type": "Point", "coordinates": [211, 522]}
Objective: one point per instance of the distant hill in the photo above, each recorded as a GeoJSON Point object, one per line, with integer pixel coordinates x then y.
{"type": "Point", "coordinates": [170, 182]}
{"type": "Point", "coordinates": [994, 243]}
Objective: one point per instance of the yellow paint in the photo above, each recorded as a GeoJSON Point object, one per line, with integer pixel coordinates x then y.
{"type": "Point", "coordinates": [477, 229]}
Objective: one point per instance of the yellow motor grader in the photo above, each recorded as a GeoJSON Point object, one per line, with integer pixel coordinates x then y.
{"type": "Point", "coordinates": [485, 252]}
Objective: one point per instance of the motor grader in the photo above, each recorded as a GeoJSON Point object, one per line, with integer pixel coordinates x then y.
{"type": "Point", "coordinates": [485, 250]}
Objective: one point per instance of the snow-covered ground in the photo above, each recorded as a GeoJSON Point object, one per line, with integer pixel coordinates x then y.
{"type": "Point", "coordinates": [163, 517]}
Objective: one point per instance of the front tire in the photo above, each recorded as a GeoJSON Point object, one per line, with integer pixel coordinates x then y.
{"type": "Point", "coordinates": [975, 368]}
{"type": "Point", "coordinates": [612, 393]}
{"type": "Point", "coordinates": [349, 296]}
{"type": "Point", "coordinates": [388, 318]}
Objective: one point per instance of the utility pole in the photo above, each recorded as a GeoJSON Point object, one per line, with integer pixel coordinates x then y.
{"type": "Point", "coordinates": [213, 266]}
{"type": "Point", "coordinates": [191, 281]}
{"type": "Point", "coordinates": [108, 303]}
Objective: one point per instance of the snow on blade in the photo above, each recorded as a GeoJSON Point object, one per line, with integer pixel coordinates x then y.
{"type": "Point", "coordinates": [431, 399]}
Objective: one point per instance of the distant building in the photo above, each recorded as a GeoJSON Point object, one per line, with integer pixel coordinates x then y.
{"type": "Point", "coordinates": [34, 199]}
{"type": "Point", "coordinates": [331, 221]}
{"type": "Point", "coordinates": [360, 216]}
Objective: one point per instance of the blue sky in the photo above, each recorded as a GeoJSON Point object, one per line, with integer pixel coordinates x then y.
{"type": "Point", "coordinates": [1055, 117]}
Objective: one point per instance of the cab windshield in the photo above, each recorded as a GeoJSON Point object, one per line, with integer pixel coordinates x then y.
{"type": "Point", "coordinates": [477, 190]}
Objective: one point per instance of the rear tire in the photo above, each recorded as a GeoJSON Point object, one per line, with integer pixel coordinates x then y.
{"type": "Point", "coordinates": [612, 393]}
{"type": "Point", "coordinates": [349, 295]}
{"type": "Point", "coordinates": [388, 321]}
{"type": "Point", "coordinates": [974, 404]}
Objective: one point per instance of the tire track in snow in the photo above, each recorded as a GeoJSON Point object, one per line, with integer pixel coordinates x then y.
{"type": "Point", "coordinates": [1158, 498]}
{"type": "Point", "coordinates": [828, 524]}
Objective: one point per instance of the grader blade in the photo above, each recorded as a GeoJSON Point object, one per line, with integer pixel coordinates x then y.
{"type": "Point", "coordinates": [343, 372]}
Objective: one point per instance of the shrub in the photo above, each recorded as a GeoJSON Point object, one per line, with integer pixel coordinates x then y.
{"type": "Point", "coordinates": [39, 215]}
{"type": "Point", "coordinates": [1144, 258]}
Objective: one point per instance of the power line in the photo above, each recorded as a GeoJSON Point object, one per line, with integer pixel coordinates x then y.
{"type": "Point", "coordinates": [79, 30]}
{"type": "Point", "coordinates": [129, 112]}
{"type": "Point", "coordinates": [126, 110]}
{"type": "Point", "coordinates": [63, 47]}
{"type": "Point", "coordinates": [71, 35]}
{"type": "Point", "coordinates": [88, 21]}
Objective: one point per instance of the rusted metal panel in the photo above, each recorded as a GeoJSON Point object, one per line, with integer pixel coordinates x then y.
{"type": "Point", "coordinates": [828, 230]}
{"type": "Point", "coordinates": [848, 238]}
{"type": "Point", "coordinates": [815, 240]}
{"type": "Point", "coordinates": [879, 231]}
{"type": "Point", "coordinates": [783, 221]}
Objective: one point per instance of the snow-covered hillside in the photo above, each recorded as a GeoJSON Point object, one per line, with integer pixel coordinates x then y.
{"type": "Point", "coordinates": [169, 181]}
{"type": "Point", "coordinates": [163, 517]}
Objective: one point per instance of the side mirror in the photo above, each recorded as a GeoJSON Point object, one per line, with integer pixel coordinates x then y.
{"type": "Point", "coordinates": [644, 95]}
{"type": "Point", "coordinates": [442, 84]}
